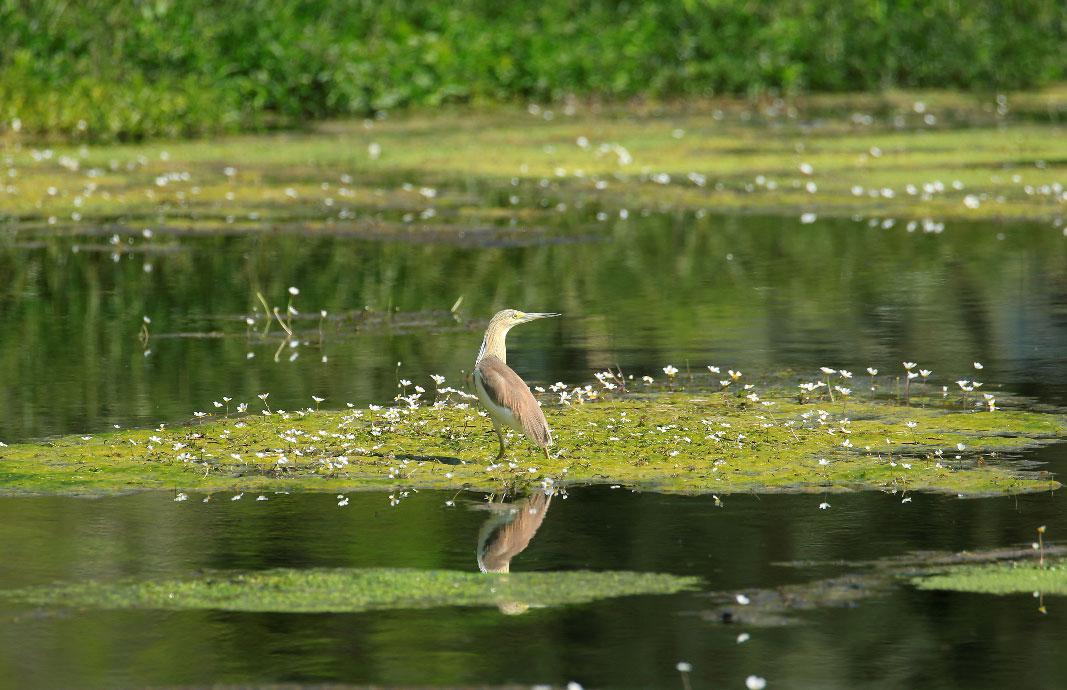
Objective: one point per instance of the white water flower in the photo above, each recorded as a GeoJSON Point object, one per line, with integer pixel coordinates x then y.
{"type": "Point", "coordinates": [755, 683]}
{"type": "Point", "coordinates": [670, 370]}
{"type": "Point", "coordinates": [824, 506]}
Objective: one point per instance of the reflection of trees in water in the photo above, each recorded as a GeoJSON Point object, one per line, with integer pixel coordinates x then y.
{"type": "Point", "coordinates": [655, 289]}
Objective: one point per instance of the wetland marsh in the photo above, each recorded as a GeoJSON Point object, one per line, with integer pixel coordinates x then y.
{"type": "Point", "coordinates": [236, 371]}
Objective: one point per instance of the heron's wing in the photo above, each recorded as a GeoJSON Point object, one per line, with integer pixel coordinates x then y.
{"type": "Point", "coordinates": [501, 541]}
{"type": "Point", "coordinates": [507, 389]}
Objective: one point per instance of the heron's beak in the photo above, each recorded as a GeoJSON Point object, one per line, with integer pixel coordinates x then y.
{"type": "Point", "coordinates": [527, 316]}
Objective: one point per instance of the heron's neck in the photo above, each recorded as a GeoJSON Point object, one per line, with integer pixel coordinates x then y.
{"type": "Point", "coordinates": [493, 345]}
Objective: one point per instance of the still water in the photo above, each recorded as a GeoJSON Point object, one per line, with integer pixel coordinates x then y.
{"type": "Point", "coordinates": [766, 295]}
{"type": "Point", "coordinates": [760, 294]}
{"type": "Point", "coordinates": [897, 638]}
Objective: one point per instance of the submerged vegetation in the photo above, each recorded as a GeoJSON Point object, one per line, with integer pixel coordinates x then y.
{"type": "Point", "coordinates": [124, 70]}
{"type": "Point", "coordinates": [754, 439]}
{"type": "Point", "coordinates": [352, 590]}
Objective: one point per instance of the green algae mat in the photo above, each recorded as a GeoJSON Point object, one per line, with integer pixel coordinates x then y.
{"type": "Point", "coordinates": [445, 174]}
{"type": "Point", "coordinates": [352, 590]}
{"type": "Point", "coordinates": [670, 441]}
{"type": "Point", "coordinates": [999, 578]}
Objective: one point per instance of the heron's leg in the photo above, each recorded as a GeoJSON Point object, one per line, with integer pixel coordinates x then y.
{"type": "Point", "coordinates": [500, 437]}
{"type": "Point", "coordinates": [545, 449]}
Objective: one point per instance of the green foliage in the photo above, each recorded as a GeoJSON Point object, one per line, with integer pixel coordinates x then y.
{"type": "Point", "coordinates": [128, 69]}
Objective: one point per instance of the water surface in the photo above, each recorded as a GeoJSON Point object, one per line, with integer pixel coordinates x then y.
{"type": "Point", "coordinates": [765, 295]}
{"type": "Point", "coordinates": [755, 293]}
{"type": "Point", "coordinates": [900, 638]}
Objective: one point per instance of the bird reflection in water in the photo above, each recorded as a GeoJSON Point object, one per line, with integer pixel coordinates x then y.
{"type": "Point", "coordinates": [506, 534]}
{"type": "Point", "coordinates": [508, 531]}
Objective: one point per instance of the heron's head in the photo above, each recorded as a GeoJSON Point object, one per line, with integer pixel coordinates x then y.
{"type": "Point", "coordinates": [513, 317]}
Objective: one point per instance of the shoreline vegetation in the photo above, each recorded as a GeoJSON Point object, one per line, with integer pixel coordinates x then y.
{"type": "Point", "coordinates": [751, 439]}
{"type": "Point", "coordinates": [100, 71]}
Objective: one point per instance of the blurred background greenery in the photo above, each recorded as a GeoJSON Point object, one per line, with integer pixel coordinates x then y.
{"type": "Point", "coordinates": [127, 69]}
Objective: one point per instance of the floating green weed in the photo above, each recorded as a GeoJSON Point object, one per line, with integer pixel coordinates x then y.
{"type": "Point", "coordinates": [353, 590]}
{"type": "Point", "coordinates": [996, 571]}
{"type": "Point", "coordinates": [428, 175]}
{"type": "Point", "coordinates": [676, 442]}
{"type": "Point", "coordinates": [999, 578]}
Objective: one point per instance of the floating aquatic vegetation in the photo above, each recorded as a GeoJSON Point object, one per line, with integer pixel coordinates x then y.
{"type": "Point", "coordinates": [995, 571]}
{"type": "Point", "coordinates": [352, 590]}
{"type": "Point", "coordinates": [999, 578]}
{"type": "Point", "coordinates": [454, 192]}
{"type": "Point", "coordinates": [667, 441]}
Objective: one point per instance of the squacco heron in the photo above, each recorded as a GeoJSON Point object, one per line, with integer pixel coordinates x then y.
{"type": "Point", "coordinates": [504, 394]}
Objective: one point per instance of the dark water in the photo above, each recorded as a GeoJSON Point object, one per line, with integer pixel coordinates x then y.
{"type": "Point", "coordinates": [900, 638]}
{"type": "Point", "coordinates": [763, 295]}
